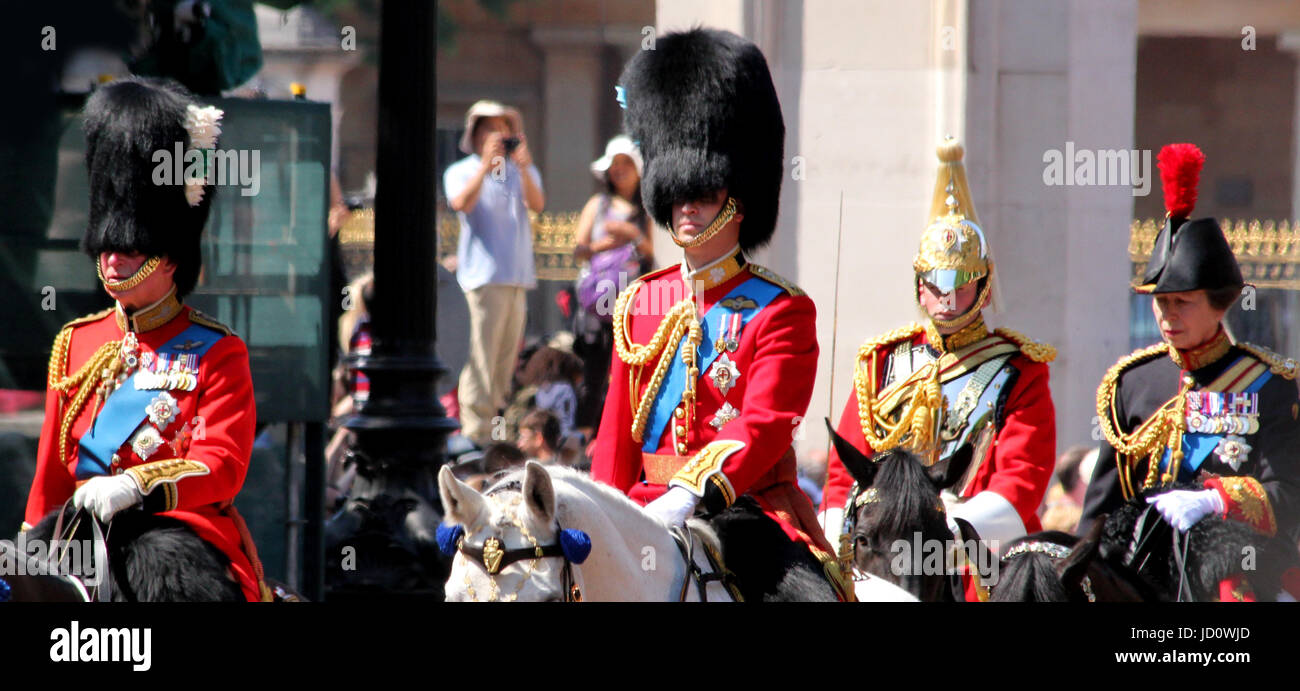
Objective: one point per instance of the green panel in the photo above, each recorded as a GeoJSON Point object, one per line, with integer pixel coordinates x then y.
{"type": "Point", "coordinates": [265, 264]}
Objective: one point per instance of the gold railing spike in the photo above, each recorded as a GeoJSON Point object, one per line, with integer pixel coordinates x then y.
{"type": "Point", "coordinates": [1268, 250]}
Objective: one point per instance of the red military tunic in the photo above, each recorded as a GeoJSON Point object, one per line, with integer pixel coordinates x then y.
{"type": "Point", "coordinates": [775, 363]}
{"type": "Point", "coordinates": [1021, 457]}
{"type": "Point", "coordinates": [194, 475]}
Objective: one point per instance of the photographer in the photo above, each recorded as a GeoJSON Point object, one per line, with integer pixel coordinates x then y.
{"type": "Point", "coordinates": [495, 254]}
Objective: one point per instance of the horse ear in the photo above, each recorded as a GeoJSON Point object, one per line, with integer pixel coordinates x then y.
{"type": "Point", "coordinates": [862, 468]}
{"type": "Point", "coordinates": [948, 471]}
{"type": "Point", "coordinates": [1073, 568]}
{"type": "Point", "coordinates": [461, 503]}
{"type": "Point", "coordinates": [539, 493]}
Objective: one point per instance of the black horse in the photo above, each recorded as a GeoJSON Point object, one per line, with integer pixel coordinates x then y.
{"type": "Point", "coordinates": [767, 564]}
{"type": "Point", "coordinates": [151, 558]}
{"type": "Point", "coordinates": [1135, 555]}
{"type": "Point", "coordinates": [1052, 566]}
{"type": "Point", "coordinates": [898, 505]}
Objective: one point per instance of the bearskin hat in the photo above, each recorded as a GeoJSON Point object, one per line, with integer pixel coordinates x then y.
{"type": "Point", "coordinates": [127, 122]}
{"type": "Point", "coordinates": [704, 111]}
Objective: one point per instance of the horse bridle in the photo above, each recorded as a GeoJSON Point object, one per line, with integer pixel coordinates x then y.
{"type": "Point", "coordinates": [493, 559]}
{"type": "Point", "coordinates": [1056, 553]}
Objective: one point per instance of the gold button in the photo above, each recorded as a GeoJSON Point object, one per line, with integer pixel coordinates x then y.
{"type": "Point", "coordinates": [681, 431]}
{"type": "Point", "coordinates": [681, 449]}
{"type": "Point", "coordinates": [679, 413]}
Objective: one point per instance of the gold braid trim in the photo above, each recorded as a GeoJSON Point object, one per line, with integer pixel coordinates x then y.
{"type": "Point", "coordinates": [1250, 500]}
{"type": "Point", "coordinates": [1163, 429]}
{"type": "Point", "coordinates": [1034, 350]}
{"type": "Point", "coordinates": [920, 414]}
{"type": "Point", "coordinates": [103, 365]}
{"type": "Point", "coordinates": [772, 277]}
{"type": "Point", "coordinates": [150, 475]}
{"type": "Point", "coordinates": [1287, 368]}
{"type": "Point", "coordinates": [678, 322]}
{"type": "Point", "coordinates": [204, 320]}
{"type": "Point", "coordinates": [705, 465]}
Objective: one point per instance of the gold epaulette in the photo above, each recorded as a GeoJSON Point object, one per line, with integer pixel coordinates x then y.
{"type": "Point", "coordinates": [1287, 368]}
{"type": "Point", "coordinates": [889, 338]}
{"type": "Point", "coordinates": [1034, 350]}
{"type": "Point", "coordinates": [772, 277]}
{"type": "Point", "coordinates": [1111, 377]}
{"type": "Point", "coordinates": [58, 367]}
{"type": "Point", "coordinates": [204, 320]}
{"type": "Point", "coordinates": [89, 318]}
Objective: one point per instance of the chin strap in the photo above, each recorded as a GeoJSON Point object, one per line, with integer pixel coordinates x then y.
{"type": "Point", "coordinates": [128, 283]}
{"type": "Point", "coordinates": [724, 217]}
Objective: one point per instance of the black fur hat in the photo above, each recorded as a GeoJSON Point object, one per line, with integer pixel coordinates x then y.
{"type": "Point", "coordinates": [126, 122]}
{"type": "Point", "coordinates": [704, 111]}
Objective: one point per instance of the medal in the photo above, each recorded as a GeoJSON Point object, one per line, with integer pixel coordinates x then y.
{"type": "Point", "coordinates": [724, 373]}
{"type": "Point", "coordinates": [162, 410]}
{"type": "Point", "coordinates": [1233, 451]}
{"type": "Point", "coordinates": [146, 442]}
{"type": "Point", "coordinates": [725, 414]}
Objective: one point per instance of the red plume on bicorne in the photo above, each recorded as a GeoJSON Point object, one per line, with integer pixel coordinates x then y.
{"type": "Point", "coordinates": [1180, 171]}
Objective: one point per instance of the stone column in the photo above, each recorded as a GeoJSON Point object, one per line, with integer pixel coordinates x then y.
{"type": "Point", "coordinates": [570, 113]}
{"type": "Point", "coordinates": [1044, 77]}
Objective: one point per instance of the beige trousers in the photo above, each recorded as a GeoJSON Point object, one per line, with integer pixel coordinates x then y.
{"type": "Point", "coordinates": [496, 325]}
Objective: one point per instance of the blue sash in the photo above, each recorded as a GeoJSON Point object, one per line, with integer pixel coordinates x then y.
{"type": "Point", "coordinates": [757, 289]}
{"type": "Point", "coordinates": [1197, 446]}
{"type": "Point", "coordinates": [126, 407]}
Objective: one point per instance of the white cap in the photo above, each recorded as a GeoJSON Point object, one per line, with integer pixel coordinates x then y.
{"type": "Point", "coordinates": [488, 109]}
{"type": "Point", "coordinates": [620, 144]}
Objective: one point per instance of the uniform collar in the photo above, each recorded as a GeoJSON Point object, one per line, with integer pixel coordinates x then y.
{"type": "Point", "coordinates": [972, 333]}
{"type": "Point", "coordinates": [149, 318]}
{"type": "Point", "coordinates": [1203, 355]}
{"type": "Point", "coordinates": [716, 272]}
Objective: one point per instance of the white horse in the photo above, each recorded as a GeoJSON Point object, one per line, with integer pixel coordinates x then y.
{"type": "Point", "coordinates": [633, 556]}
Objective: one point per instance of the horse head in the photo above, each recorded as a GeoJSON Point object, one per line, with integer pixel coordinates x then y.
{"type": "Point", "coordinates": [1052, 566]}
{"type": "Point", "coordinates": [507, 542]}
{"type": "Point", "coordinates": [898, 511]}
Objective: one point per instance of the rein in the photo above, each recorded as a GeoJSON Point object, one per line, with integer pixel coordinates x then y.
{"type": "Point", "coordinates": [50, 566]}
{"type": "Point", "coordinates": [1148, 525]}
{"type": "Point", "coordinates": [685, 539]}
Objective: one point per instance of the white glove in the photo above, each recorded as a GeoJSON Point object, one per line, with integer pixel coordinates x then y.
{"type": "Point", "coordinates": [1183, 508]}
{"type": "Point", "coordinates": [674, 507]}
{"type": "Point", "coordinates": [105, 495]}
{"type": "Point", "coordinates": [832, 523]}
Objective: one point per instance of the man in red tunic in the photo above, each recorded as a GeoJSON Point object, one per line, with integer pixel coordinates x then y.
{"type": "Point", "coordinates": [934, 388]}
{"type": "Point", "coordinates": [150, 403]}
{"type": "Point", "coordinates": [715, 356]}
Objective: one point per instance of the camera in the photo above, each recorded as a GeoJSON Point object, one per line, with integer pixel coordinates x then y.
{"type": "Point", "coordinates": [511, 143]}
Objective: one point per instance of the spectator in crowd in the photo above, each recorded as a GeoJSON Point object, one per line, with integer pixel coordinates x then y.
{"type": "Point", "coordinates": [556, 374]}
{"type": "Point", "coordinates": [492, 190]}
{"type": "Point", "coordinates": [1063, 503]}
{"type": "Point", "coordinates": [539, 436]}
{"type": "Point", "coordinates": [613, 240]}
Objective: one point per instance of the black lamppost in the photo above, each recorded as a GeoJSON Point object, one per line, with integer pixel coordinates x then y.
{"type": "Point", "coordinates": [401, 429]}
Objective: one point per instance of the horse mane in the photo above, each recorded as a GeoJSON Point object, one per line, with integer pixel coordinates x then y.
{"type": "Point", "coordinates": [905, 492]}
{"type": "Point", "coordinates": [1032, 576]}
{"type": "Point", "coordinates": [1214, 553]}
{"type": "Point", "coordinates": [568, 481]}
